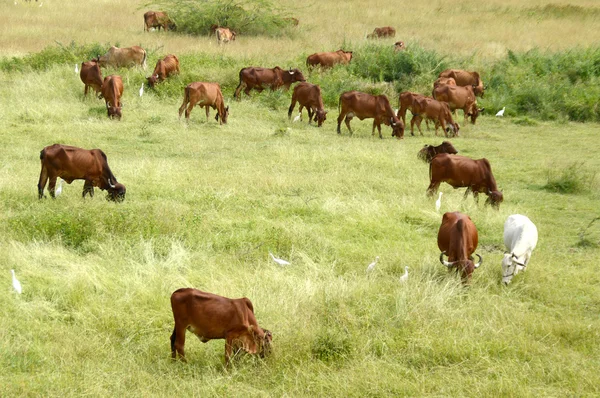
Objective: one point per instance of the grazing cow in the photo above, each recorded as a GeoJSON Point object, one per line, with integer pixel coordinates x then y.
{"type": "Point", "coordinates": [428, 152]}
{"type": "Point", "coordinates": [406, 103]}
{"type": "Point", "coordinates": [434, 110]}
{"type": "Point", "coordinates": [112, 90]}
{"type": "Point", "coordinates": [212, 317]}
{"type": "Point", "coordinates": [460, 171]}
{"type": "Point", "coordinates": [71, 163]}
{"type": "Point", "coordinates": [457, 239]}
{"type": "Point", "coordinates": [329, 59]}
{"type": "Point", "coordinates": [308, 96]}
{"type": "Point", "coordinates": [224, 35]}
{"type": "Point", "coordinates": [91, 76]}
{"type": "Point", "coordinates": [364, 106]}
{"type": "Point", "coordinates": [157, 19]}
{"type": "Point", "coordinates": [119, 57]}
{"type": "Point", "coordinates": [164, 68]}
{"type": "Point", "coordinates": [444, 80]}
{"type": "Point", "coordinates": [465, 78]}
{"type": "Point", "coordinates": [207, 95]}
{"type": "Point", "coordinates": [459, 98]}
{"type": "Point", "coordinates": [399, 46]}
{"type": "Point", "coordinates": [386, 31]}
{"type": "Point", "coordinates": [259, 78]}
{"type": "Point", "coordinates": [520, 238]}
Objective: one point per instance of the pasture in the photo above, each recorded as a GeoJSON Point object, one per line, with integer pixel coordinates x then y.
{"type": "Point", "coordinates": [206, 203]}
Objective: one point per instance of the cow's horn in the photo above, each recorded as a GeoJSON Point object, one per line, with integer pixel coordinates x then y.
{"type": "Point", "coordinates": [446, 263]}
{"type": "Point", "coordinates": [110, 183]}
{"type": "Point", "coordinates": [479, 262]}
{"type": "Point", "coordinates": [291, 72]}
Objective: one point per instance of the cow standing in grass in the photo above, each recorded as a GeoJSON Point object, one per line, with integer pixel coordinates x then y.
{"type": "Point", "coordinates": [308, 96]}
{"type": "Point", "coordinates": [112, 90]}
{"type": "Point", "coordinates": [366, 106]}
{"type": "Point", "coordinates": [91, 76]}
{"type": "Point", "coordinates": [164, 68]}
{"type": "Point", "coordinates": [207, 95]}
{"type": "Point", "coordinates": [520, 238]}
{"type": "Point", "coordinates": [261, 78]}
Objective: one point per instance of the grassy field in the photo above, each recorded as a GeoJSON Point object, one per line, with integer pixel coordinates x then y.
{"type": "Point", "coordinates": [206, 203]}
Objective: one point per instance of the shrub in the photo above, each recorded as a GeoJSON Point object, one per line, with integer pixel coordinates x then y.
{"type": "Point", "coordinates": [571, 179]}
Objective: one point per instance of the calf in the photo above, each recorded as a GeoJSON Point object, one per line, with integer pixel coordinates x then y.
{"type": "Point", "coordinates": [520, 238]}
{"type": "Point", "coordinates": [112, 90]}
{"type": "Point", "coordinates": [212, 317]}
{"type": "Point", "coordinates": [329, 59]}
{"type": "Point", "coordinates": [165, 67]}
{"type": "Point", "coordinates": [432, 110]}
{"type": "Point", "coordinates": [207, 95]}
{"type": "Point", "coordinates": [224, 35]}
{"type": "Point", "coordinates": [399, 46]}
{"type": "Point", "coordinates": [91, 76]}
{"type": "Point", "coordinates": [457, 239]}
{"type": "Point", "coordinates": [308, 96]}
{"type": "Point", "coordinates": [386, 31]}
{"type": "Point", "coordinates": [364, 106]}
{"type": "Point", "coordinates": [428, 152]}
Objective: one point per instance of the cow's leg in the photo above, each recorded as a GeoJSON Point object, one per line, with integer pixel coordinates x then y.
{"type": "Point", "coordinates": [339, 121]}
{"type": "Point", "coordinates": [292, 106]}
{"type": "Point", "coordinates": [189, 110]}
{"type": "Point", "coordinates": [88, 188]}
{"type": "Point", "coordinates": [433, 187]}
{"type": "Point", "coordinates": [347, 121]}
{"type": "Point", "coordinates": [85, 91]}
{"type": "Point", "coordinates": [377, 124]}
{"type": "Point", "coordinates": [236, 94]}
{"type": "Point", "coordinates": [207, 111]}
{"type": "Point", "coordinates": [228, 349]}
{"type": "Point", "coordinates": [467, 192]}
{"type": "Point", "coordinates": [178, 343]}
{"type": "Point", "coordinates": [42, 182]}
{"type": "Point", "coordinates": [182, 107]}
{"type": "Point", "coordinates": [419, 120]}
{"type": "Point", "coordinates": [52, 186]}
{"type": "Point", "coordinates": [442, 123]}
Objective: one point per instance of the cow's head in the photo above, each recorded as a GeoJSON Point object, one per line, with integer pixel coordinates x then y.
{"type": "Point", "coordinates": [116, 191]}
{"type": "Point", "coordinates": [294, 75]}
{"type": "Point", "coordinates": [397, 127]}
{"type": "Point", "coordinates": [466, 266]}
{"type": "Point", "coordinates": [399, 46]}
{"type": "Point", "coordinates": [152, 80]}
{"type": "Point", "coordinates": [453, 128]}
{"type": "Point", "coordinates": [511, 265]}
{"type": "Point", "coordinates": [474, 112]}
{"type": "Point", "coordinates": [320, 117]}
{"type": "Point", "coordinates": [494, 198]}
{"type": "Point", "coordinates": [172, 25]}
{"type": "Point", "coordinates": [113, 111]}
{"type": "Point", "coordinates": [265, 344]}
{"type": "Point", "coordinates": [224, 116]}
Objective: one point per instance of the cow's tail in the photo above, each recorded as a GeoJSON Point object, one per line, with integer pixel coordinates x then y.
{"type": "Point", "coordinates": [173, 340]}
{"type": "Point", "coordinates": [339, 104]}
{"type": "Point", "coordinates": [144, 66]}
{"type": "Point", "coordinates": [236, 93]}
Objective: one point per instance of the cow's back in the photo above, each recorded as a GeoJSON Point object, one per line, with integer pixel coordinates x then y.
{"type": "Point", "coordinates": [516, 228]}
{"type": "Point", "coordinates": [457, 229]}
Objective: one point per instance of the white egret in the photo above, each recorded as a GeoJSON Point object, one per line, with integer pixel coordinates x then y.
{"type": "Point", "coordinates": [76, 69]}
{"type": "Point", "coordinates": [371, 266]}
{"type": "Point", "coordinates": [15, 282]}
{"type": "Point", "coordinates": [58, 189]}
{"type": "Point", "coordinates": [142, 90]}
{"type": "Point", "coordinates": [298, 117]}
{"type": "Point", "coordinates": [438, 203]}
{"type": "Point", "coordinates": [501, 112]}
{"type": "Point", "coordinates": [278, 260]}
{"type": "Point", "coordinates": [404, 277]}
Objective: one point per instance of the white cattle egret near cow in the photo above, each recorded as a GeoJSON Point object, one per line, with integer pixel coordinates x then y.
{"type": "Point", "coordinates": [404, 277]}
{"type": "Point", "coordinates": [15, 282]}
{"type": "Point", "coordinates": [142, 90]}
{"type": "Point", "coordinates": [278, 260]}
{"type": "Point", "coordinates": [58, 189]}
{"type": "Point", "coordinates": [76, 69]}
{"type": "Point", "coordinates": [371, 266]}
{"type": "Point", "coordinates": [501, 112]}
{"type": "Point", "coordinates": [438, 203]}
{"type": "Point", "coordinates": [520, 238]}
{"type": "Point", "coordinates": [297, 117]}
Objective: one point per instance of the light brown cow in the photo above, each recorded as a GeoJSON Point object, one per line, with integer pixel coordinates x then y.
{"type": "Point", "coordinates": [224, 35]}
{"type": "Point", "coordinates": [91, 76]}
{"type": "Point", "coordinates": [260, 78]}
{"type": "Point", "coordinates": [329, 59]}
{"type": "Point", "coordinates": [465, 78]}
{"type": "Point", "coordinates": [165, 67]}
{"type": "Point", "coordinates": [437, 111]}
{"type": "Point", "coordinates": [308, 96]}
{"type": "Point", "coordinates": [364, 106]}
{"type": "Point", "coordinates": [457, 239]}
{"type": "Point", "coordinates": [71, 163]}
{"type": "Point", "coordinates": [123, 57]}
{"type": "Point", "coordinates": [157, 19]}
{"type": "Point", "coordinates": [386, 31]}
{"type": "Point", "coordinates": [406, 103]}
{"type": "Point", "coordinates": [112, 90]}
{"type": "Point", "coordinates": [212, 317]}
{"type": "Point", "coordinates": [207, 95]}
{"type": "Point", "coordinates": [444, 81]}
{"type": "Point", "coordinates": [459, 98]}
{"type": "Point", "coordinates": [399, 46]}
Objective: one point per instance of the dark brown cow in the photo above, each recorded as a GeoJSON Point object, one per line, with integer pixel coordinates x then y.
{"type": "Point", "coordinates": [165, 67]}
{"type": "Point", "coordinates": [459, 98]}
{"type": "Point", "coordinates": [112, 90]}
{"type": "Point", "coordinates": [364, 106]}
{"type": "Point", "coordinates": [224, 35]}
{"type": "Point", "coordinates": [429, 151]}
{"type": "Point", "coordinates": [91, 76]}
{"type": "Point", "coordinates": [207, 95]}
{"type": "Point", "coordinates": [437, 111]}
{"type": "Point", "coordinates": [457, 239]}
{"type": "Point", "coordinates": [71, 163]}
{"type": "Point", "coordinates": [157, 19]}
{"type": "Point", "coordinates": [460, 171]}
{"type": "Point", "coordinates": [308, 96]}
{"type": "Point", "coordinates": [212, 317]}
{"type": "Point", "coordinates": [260, 78]}
{"type": "Point", "coordinates": [464, 78]}
{"type": "Point", "coordinates": [119, 57]}
{"type": "Point", "coordinates": [329, 59]}
{"type": "Point", "coordinates": [386, 31]}
{"type": "Point", "coordinates": [399, 46]}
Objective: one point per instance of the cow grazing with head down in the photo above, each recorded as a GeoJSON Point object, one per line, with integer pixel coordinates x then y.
{"type": "Point", "coordinates": [520, 238]}
{"type": "Point", "coordinates": [225, 35]}
{"type": "Point", "coordinates": [428, 152]}
{"type": "Point", "coordinates": [260, 78]}
{"type": "Point", "coordinates": [207, 95]}
{"type": "Point", "coordinates": [165, 67]}
{"type": "Point", "coordinates": [460, 171]}
{"type": "Point", "coordinates": [329, 59]}
{"type": "Point", "coordinates": [212, 317]}
{"type": "Point", "coordinates": [123, 57]}
{"type": "Point", "coordinates": [438, 112]}
{"type": "Point", "coordinates": [157, 19]}
{"type": "Point", "coordinates": [457, 239]}
{"type": "Point", "coordinates": [386, 31]}
{"type": "Point", "coordinates": [112, 90]}
{"type": "Point", "coordinates": [309, 97]}
{"type": "Point", "coordinates": [399, 46]}
{"type": "Point", "coordinates": [465, 78]}
{"type": "Point", "coordinates": [91, 76]}
{"type": "Point", "coordinates": [459, 98]}
{"type": "Point", "coordinates": [366, 106]}
{"type": "Point", "coordinates": [71, 163]}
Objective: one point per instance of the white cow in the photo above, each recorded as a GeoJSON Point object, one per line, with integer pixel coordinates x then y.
{"type": "Point", "coordinates": [520, 238]}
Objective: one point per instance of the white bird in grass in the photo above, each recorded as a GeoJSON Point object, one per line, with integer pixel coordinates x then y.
{"type": "Point", "coordinates": [76, 68]}
{"type": "Point", "coordinates": [371, 266]}
{"type": "Point", "coordinates": [58, 190]}
{"type": "Point", "coordinates": [278, 260]}
{"type": "Point", "coordinates": [16, 283]}
{"type": "Point", "coordinates": [438, 203]}
{"type": "Point", "coordinates": [142, 90]}
{"type": "Point", "coordinates": [297, 117]}
{"type": "Point", "coordinates": [501, 112]}
{"type": "Point", "coordinates": [404, 277]}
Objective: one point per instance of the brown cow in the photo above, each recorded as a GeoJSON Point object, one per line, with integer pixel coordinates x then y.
{"type": "Point", "coordinates": [91, 76]}
{"type": "Point", "coordinates": [458, 97]}
{"type": "Point", "coordinates": [399, 46]}
{"type": "Point", "coordinates": [329, 59]}
{"type": "Point", "coordinates": [212, 317]}
{"type": "Point", "coordinates": [444, 80]}
{"type": "Point", "coordinates": [406, 103]}
{"type": "Point", "coordinates": [465, 78]}
{"type": "Point", "coordinates": [457, 239]}
{"type": "Point", "coordinates": [224, 35]}
{"type": "Point", "coordinates": [460, 171]}
{"type": "Point", "coordinates": [112, 90]}
{"type": "Point", "coordinates": [434, 110]}
{"type": "Point", "coordinates": [157, 19]}
{"type": "Point", "coordinates": [428, 152]}
{"type": "Point", "coordinates": [386, 31]}
{"type": "Point", "coordinates": [308, 96]}
{"type": "Point", "coordinates": [363, 106]}
{"type": "Point", "coordinates": [71, 163]}
{"type": "Point", "coordinates": [118, 57]}
{"type": "Point", "coordinates": [207, 95]}
{"type": "Point", "coordinates": [165, 67]}
{"type": "Point", "coordinates": [259, 78]}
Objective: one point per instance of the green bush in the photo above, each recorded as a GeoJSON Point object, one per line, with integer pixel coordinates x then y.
{"type": "Point", "coordinates": [571, 179]}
